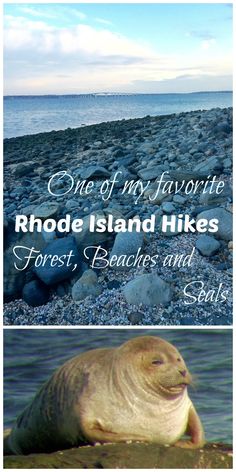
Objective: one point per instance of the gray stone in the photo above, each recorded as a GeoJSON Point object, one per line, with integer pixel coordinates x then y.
{"type": "Point", "coordinates": [150, 173]}
{"type": "Point", "coordinates": [14, 278]}
{"type": "Point", "coordinates": [169, 231]}
{"type": "Point", "coordinates": [72, 204]}
{"type": "Point", "coordinates": [168, 208]}
{"type": "Point", "coordinates": [92, 172]}
{"type": "Point", "coordinates": [51, 275]}
{"type": "Point", "coordinates": [48, 236]}
{"type": "Point", "coordinates": [148, 289]}
{"type": "Point", "coordinates": [187, 175]}
{"type": "Point", "coordinates": [121, 178]}
{"type": "Point", "coordinates": [207, 245]}
{"type": "Point", "coordinates": [225, 229]}
{"type": "Point", "coordinates": [24, 169]}
{"type": "Point", "coordinates": [214, 198]}
{"type": "Point", "coordinates": [35, 293]}
{"type": "Point", "coordinates": [208, 165]}
{"type": "Point", "coordinates": [87, 238]}
{"type": "Point", "coordinates": [86, 286]}
{"type": "Point", "coordinates": [179, 199]}
{"type": "Point", "coordinates": [126, 244]}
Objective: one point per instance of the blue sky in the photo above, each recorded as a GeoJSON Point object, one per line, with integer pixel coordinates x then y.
{"type": "Point", "coordinates": [82, 48]}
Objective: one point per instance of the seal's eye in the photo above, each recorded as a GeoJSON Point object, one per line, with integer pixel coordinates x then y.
{"type": "Point", "coordinates": [179, 360]}
{"type": "Point", "coordinates": [157, 362]}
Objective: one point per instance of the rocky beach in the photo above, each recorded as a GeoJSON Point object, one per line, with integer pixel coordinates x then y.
{"type": "Point", "coordinates": [59, 175]}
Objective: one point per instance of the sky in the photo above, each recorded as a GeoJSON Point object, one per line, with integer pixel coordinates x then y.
{"type": "Point", "coordinates": [126, 48]}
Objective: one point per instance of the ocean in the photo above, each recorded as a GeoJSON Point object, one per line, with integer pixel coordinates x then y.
{"type": "Point", "coordinates": [25, 115]}
{"type": "Point", "coordinates": [30, 357]}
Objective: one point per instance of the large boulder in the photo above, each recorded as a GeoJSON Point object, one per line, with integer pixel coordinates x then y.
{"type": "Point", "coordinates": [14, 276]}
{"type": "Point", "coordinates": [86, 286]}
{"type": "Point", "coordinates": [148, 289]}
{"type": "Point", "coordinates": [126, 244]}
{"type": "Point", "coordinates": [225, 225]}
{"type": "Point", "coordinates": [86, 238]}
{"type": "Point", "coordinates": [128, 456]}
{"type": "Point", "coordinates": [208, 198]}
{"type": "Point", "coordinates": [35, 293]}
{"type": "Point", "coordinates": [60, 248]}
{"type": "Point", "coordinates": [207, 245]}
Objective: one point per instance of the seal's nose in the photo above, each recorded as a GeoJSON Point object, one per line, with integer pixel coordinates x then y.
{"type": "Point", "coordinates": [183, 372]}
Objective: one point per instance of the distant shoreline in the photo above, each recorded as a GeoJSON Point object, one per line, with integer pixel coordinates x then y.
{"type": "Point", "coordinates": [112, 94]}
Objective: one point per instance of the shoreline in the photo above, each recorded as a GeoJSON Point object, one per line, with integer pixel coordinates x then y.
{"type": "Point", "coordinates": [84, 125]}
{"type": "Point", "coordinates": [188, 145]}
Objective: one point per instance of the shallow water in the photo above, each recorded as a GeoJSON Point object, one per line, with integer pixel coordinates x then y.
{"type": "Point", "coordinates": [30, 357]}
{"type": "Point", "coordinates": [35, 114]}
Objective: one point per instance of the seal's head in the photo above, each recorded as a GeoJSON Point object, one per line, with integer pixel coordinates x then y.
{"type": "Point", "coordinates": [156, 363]}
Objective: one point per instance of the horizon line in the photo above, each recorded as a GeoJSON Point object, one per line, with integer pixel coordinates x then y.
{"type": "Point", "coordinates": [113, 93]}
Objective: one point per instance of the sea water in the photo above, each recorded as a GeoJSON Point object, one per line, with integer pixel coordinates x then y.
{"type": "Point", "coordinates": [25, 115]}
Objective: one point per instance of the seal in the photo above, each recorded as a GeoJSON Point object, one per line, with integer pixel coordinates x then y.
{"type": "Point", "coordinates": [136, 392]}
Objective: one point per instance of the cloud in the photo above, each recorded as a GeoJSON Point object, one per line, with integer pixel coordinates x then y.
{"type": "Point", "coordinates": [44, 58]}
{"type": "Point", "coordinates": [204, 35]}
{"type": "Point", "coordinates": [103, 21]}
{"type": "Point", "coordinates": [184, 83]}
{"type": "Point", "coordinates": [36, 13]}
{"type": "Point", "coordinates": [52, 12]}
{"type": "Point", "coordinates": [208, 43]}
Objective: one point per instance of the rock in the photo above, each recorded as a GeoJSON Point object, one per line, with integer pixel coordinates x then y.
{"type": "Point", "coordinates": [59, 248]}
{"type": "Point", "coordinates": [127, 161]}
{"type": "Point", "coordinates": [223, 128]}
{"type": "Point", "coordinates": [91, 172]}
{"type": "Point", "coordinates": [211, 165]}
{"type": "Point", "coordinates": [148, 289]}
{"type": "Point", "coordinates": [207, 245]}
{"type": "Point", "coordinates": [24, 169]}
{"type": "Point", "coordinates": [14, 278]}
{"type": "Point", "coordinates": [87, 238]}
{"type": "Point", "coordinates": [86, 286]}
{"type": "Point", "coordinates": [199, 209]}
{"type": "Point", "coordinates": [158, 198]}
{"type": "Point", "coordinates": [179, 199]}
{"type": "Point", "coordinates": [187, 321]}
{"type": "Point", "coordinates": [121, 178]}
{"type": "Point", "coordinates": [135, 318]}
{"type": "Point", "coordinates": [168, 231]}
{"type": "Point", "coordinates": [225, 229]}
{"type": "Point", "coordinates": [214, 198]}
{"type": "Point", "coordinates": [223, 266]}
{"type": "Point", "coordinates": [187, 175]}
{"type": "Point", "coordinates": [230, 245]}
{"type": "Point", "coordinates": [168, 208]}
{"type": "Point", "coordinates": [48, 236]}
{"type": "Point", "coordinates": [35, 293]}
{"type": "Point", "coordinates": [150, 173]}
{"type": "Point", "coordinates": [126, 244]}
{"type": "Point", "coordinates": [72, 204]}
{"type": "Point", "coordinates": [46, 210]}
{"type": "Point", "coordinates": [227, 163]}
{"type": "Point", "coordinates": [128, 456]}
